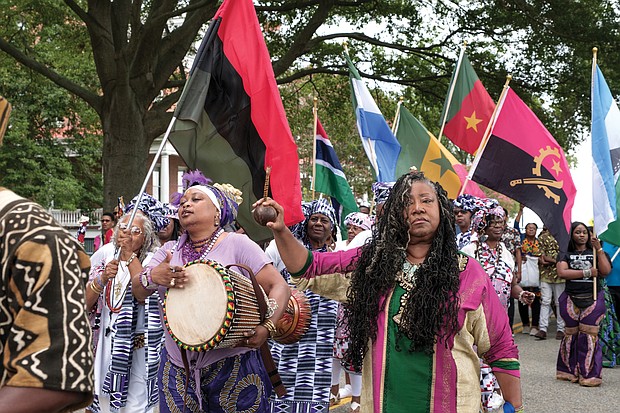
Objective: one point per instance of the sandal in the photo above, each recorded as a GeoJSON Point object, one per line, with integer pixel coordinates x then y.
{"type": "Point", "coordinates": [333, 399]}
{"type": "Point", "coordinates": [355, 407]}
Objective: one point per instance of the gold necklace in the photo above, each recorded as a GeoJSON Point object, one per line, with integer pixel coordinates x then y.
{"type": "Point", "coordinates": [406, 279]}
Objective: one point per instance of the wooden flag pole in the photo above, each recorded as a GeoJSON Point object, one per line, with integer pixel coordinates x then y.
{"type": "Point", "coordinates": [397, 115]}
{"type": "Point", "coordinates": [594, 52]}
{"type": "Point", "coordinates": [316, 119]}
{"type": "Point", "coordinates": [451, 91]}
{"type": "Point", "coordinates": [487, 134]}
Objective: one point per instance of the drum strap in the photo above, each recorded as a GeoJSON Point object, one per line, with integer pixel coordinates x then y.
{"type": "Point", "coordinates": [265, 353]}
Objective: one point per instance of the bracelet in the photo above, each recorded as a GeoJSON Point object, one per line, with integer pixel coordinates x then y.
{"type": "Point", "coordinates": [587, 273]}
{"type": "Point", "coordinates": [133, 255]}
{"type": "Point", "coordinates": [97, 290]}
{"type": "Point", "coordinates": [519, 409]}
{"type": "Point", "coordinates": [99, 282]}
{"type": "Point", "coordinates": [272, 306]}
{"type": "Point", "coordinates": [270, 326]}
{"type": "Point", "coordinates": [599, 250]}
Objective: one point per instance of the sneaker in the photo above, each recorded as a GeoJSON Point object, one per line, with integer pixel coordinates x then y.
{"type": "Point", "coordinates": [526, 330]}
{"type": "Point", "coordinates": [559, 335]}
{"type": "Point", "coordinates": [541, 335]}
{"type": "Point", "coordinates": [534, 331]}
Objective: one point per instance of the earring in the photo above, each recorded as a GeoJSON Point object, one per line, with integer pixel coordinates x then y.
{"type": "Point", "coordinates": [217, 220]}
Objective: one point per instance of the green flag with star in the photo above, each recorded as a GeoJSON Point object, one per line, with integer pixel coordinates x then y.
{"type": "Point", "coordinates": [419, 148]}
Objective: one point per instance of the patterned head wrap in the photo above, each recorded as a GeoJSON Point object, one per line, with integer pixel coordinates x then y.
{"type": "Point", "coordinates": [152, 208]}
{"type": "Point", "coordinates": [358, 219]}
{"type": "Point", "coordinates": [318, 206]}
{"type": "Point", "coordinates": [488, 206]}
{"type": "Point", "coordinates": [382, 191]}
{"type": "Point", "coordinates": [225, 197]}
{"type": "Point", "coordinates": [171, 211]}
{"type": "Point", "coordinates": [466, 202]}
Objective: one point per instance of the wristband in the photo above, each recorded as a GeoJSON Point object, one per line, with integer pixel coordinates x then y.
{"type": "Point", "coordinates": [599, 250]}
{"type": "Point", "coordinates": [587, 273]}
{"type": "Point", "coordinates": [99, 281]}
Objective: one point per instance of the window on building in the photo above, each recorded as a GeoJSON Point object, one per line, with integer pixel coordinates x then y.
{"type": "Point", "coordinates": [180, 172]}
{"type": "Point", "coordinates": [156, 183]}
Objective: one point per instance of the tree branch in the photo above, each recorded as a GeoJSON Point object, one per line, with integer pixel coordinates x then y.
{"type": "Point", "coordinates": [89, 97]}
{"type": "Point", "coordinates": [299, 45]}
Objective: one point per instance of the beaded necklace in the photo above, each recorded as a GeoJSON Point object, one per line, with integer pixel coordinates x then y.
{"type": "Point", "coordinates": [189, 252]}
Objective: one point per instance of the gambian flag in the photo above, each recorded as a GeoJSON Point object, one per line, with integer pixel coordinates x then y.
{"type": "Point", "coordinates": [5, 113]}
{"type": "Point", "coordinates": [330, 177]}
{"type": "Point", "coordinates": [232, 123]}
{"type": "Point", "coordinates": [421, 149]}
{"type": "Point", "coordinates": [469, 109]}
{"type": "Point", "coordinates": [524, 162]}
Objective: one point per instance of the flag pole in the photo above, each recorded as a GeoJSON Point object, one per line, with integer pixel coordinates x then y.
{"type": "Point", "coordinates": [594, 253]}
{"type": "Point", "coordinates": [451, 91]}
{"type": "Point", "coordinates": [315, 123]}
{"type": "Point", "coordinates": [397, 115]}
{"type": "Point", "coordinates": [487, 134]}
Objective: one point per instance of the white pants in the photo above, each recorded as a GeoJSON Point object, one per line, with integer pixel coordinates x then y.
{"type": "Point", "coordinates": [550, 291]}
{"type": "Point", "coordinates": [136, 393]}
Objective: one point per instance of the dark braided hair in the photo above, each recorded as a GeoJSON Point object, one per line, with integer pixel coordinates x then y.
{"type": "Point", "coordinates": [431, 312]}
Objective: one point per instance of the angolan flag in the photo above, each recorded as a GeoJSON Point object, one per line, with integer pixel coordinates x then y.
{"type": "Point", "coordinates": [524, 162]}
{"type": "Point", "coordinates": [232, 123]}
{"type": "Point", "coordinates": [330, 177]}
{"type": "Point", "coordinates": [470, 108]}
{"type": "Point", "coordinates": [419, 148]}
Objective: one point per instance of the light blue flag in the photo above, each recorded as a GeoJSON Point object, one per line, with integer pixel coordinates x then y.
{"type": "Point", "coordinates": [380, 144]}
{"type": "Point", "coordinates": [606, 160]}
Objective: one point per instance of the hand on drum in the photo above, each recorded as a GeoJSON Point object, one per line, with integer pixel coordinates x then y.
{"type": "Point", "coordinates": [254, 338]}
{"type": "Point", "coordinates": [167, 275]}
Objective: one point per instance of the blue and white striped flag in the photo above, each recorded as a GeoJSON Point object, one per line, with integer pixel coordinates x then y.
{"type": "Point", "coordinates": [606, 160]}
{"type": "Point", "coordinates": [380, 144]}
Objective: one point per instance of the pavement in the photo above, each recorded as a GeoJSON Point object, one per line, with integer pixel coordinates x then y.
{"type": "Point", "coordinates": [542, 393]}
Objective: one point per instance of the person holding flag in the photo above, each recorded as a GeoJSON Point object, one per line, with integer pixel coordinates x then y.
{"type": "Point", "coordinates": [580, 358]}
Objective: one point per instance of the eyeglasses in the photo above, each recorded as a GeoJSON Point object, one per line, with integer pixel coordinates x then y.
{"type": "Point", "coordinates": [134, 230]}
{"type": "Point", "coordinates": [459, 211]}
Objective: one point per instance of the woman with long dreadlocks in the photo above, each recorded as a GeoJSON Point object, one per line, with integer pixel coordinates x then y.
{"type": "Point", "coordinates": [416, 308]}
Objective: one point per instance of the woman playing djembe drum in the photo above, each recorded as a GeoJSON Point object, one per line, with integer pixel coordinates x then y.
{"type": "Point", "coordinates": [220, 379]}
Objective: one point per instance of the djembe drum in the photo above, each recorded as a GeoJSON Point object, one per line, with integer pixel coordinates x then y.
{"type": "Point", "coordinates": [213, 310]}
{"type": "Point", "coordinates": [296, 319]}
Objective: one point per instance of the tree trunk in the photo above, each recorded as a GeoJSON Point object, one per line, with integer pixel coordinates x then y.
{"type": "Point", "coordinates": [125, 148]}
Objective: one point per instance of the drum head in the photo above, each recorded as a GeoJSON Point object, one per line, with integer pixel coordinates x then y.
{"type": "Point", "coordinates": [195, 313]}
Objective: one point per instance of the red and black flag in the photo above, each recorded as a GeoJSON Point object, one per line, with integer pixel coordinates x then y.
{"type": "Point", "coordinates": [231, 122]}
{"type": "Point", "coordinates": [524, 162]}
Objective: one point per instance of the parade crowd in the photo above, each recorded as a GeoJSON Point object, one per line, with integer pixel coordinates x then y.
{"type": "Point", "coordinates": [178, 310]}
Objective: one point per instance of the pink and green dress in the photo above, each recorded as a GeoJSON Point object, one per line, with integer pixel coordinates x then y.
{"type": "Point", "coordinates": [398, 381]}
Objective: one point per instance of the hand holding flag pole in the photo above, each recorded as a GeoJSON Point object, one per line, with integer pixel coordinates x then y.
{"type": "Point", "coordinates": [487, 134]}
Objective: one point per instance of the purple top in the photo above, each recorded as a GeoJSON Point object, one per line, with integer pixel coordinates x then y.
{"type": "Point", "coordinates": [233, 249]}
